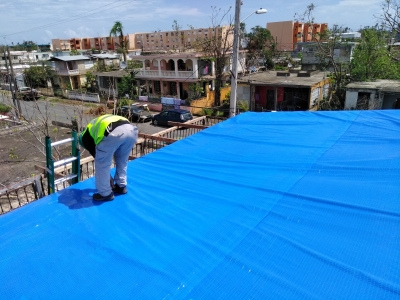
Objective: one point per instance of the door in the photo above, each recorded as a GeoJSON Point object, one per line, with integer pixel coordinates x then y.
{"type": "Point", "coordinates": [271, 99]}
{"type": "Point", "coordinates": [163, 118]}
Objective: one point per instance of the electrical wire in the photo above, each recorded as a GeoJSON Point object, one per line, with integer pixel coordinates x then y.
{"type": "Point", "coordinates": [84, 14]}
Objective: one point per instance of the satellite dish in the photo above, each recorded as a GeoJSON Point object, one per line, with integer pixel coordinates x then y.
{"type": "Point", "coordinates": [290, 65]}
{"type": "Point", "coordinates": [122, 65]}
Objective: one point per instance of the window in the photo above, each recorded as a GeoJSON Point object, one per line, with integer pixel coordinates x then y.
{"type": "Point", "coordinates": [157, 86]}
{"type": "Point", "coordinates": [363, 100]}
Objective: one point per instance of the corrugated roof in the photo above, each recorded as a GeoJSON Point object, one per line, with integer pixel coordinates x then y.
{"type": "Point", "coordinates": [70, 58]}
{"type": "Point", "coordinates": [382, 85]}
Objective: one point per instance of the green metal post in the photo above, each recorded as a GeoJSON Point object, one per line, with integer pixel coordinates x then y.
{"type": "Point", "coordinates": [50, 167]}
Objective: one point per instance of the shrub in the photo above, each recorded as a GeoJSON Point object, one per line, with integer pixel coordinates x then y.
{"type": "Point", "coordinates": [4, 108]}
{"type": "Point", "coordinates": [98, 111]}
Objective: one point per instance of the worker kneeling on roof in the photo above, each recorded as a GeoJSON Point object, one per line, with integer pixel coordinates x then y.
{"type": "Point", "coordinates": [106, 137]}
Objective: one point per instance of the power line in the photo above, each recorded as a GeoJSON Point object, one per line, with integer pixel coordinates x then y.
{"type": "Point", "coordinates": [84, 14]}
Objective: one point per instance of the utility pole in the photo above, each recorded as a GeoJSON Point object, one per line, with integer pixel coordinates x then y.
{"type": "Point", "coordinates": [234, 73]}
{"type": "Point", "coordinates": [16, 103]}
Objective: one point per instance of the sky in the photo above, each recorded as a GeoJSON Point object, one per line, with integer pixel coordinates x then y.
{"type": "Point", "coordinates": [42, 20]}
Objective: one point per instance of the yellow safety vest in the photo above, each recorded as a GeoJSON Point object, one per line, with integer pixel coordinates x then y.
{"type": "Point", "coordinates": [98, 126]}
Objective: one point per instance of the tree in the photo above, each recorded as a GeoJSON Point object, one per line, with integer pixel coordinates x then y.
{"type": "Point", "coordinates": [371, 58]}
{"type": "Point", "coordinates": [74, 52]}
{"type": "Point", "coordinates": [117, 31]}
{"type": "Point", "coordinates": [25, 46]}
{"type": "Point", "coordinates": [390, 17]}
{"type": "Point", "coordinates": [217, 47]}
{"type": "Point", "coordinates": [39, 76]}
{"type": "Point", "coordinates": [326, 44]}
{"type": "Point", "coordinates": [260, 47]}
{"type": "Point", "coordinates": [127, 85]}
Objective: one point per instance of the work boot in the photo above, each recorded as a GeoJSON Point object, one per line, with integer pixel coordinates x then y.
{"type": "Point", "coordinates": [98, 197]}
{"type": "Point", "coordinates": [119, 190]}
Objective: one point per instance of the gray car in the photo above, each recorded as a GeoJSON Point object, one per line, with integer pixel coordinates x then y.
{"type": "Point", "coordinates": [138, 113]}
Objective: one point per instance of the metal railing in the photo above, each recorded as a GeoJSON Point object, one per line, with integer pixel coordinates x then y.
{"type": "Point", "coordinates": [35, 188]}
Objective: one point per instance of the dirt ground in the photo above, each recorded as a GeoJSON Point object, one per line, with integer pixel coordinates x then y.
{"type": "Point", "coordinates": [21, 151]}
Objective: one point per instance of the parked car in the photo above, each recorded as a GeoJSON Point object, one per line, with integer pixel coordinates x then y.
{"type": "Point", "coordinates": [26, 93]}
{"type": "Point", "coordinates": [135, 112]}
{"type": "Point", "coordinates": [173, 115]}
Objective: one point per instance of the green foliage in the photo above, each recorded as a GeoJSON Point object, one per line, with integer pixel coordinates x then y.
{"type": "Point", "coordinates": [91, 84]}
{"type": "Point", "coordinates": [4, 108]}
{"type": "Point", "coordinates": [134, 64]}
{"type": "Point", "coordinates": [74, 52]}
{"type": "Point", "coordinates": [38, 76]}
{"type": "Point", "coordinates": [243, 105]}
{"type": "Point", "coordinates": [261, 47]}
{"type": "Point", "coordinates": [195, 91]}
{"type": "Point", "coordinates": [12, 154]}
{"type": "Point", "coordinates": [25, 46]}
{"type": "Point", "coordinates": [371, 58]}
{"type": "Point", "coordinates": [124, 102]}
{"type": "Point", "coordinates": [127, 86]}
{"type": "Point", "coordinates": [117, 31]}
{"type": "Point", "coordinates": [68, 86]}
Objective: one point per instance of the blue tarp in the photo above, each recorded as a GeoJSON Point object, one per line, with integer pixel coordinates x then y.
{"type": "Point", "coordinates": [302, 205]}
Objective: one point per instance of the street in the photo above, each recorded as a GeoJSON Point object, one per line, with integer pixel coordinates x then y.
{"type": "Point", "coordinates": [43, 109]}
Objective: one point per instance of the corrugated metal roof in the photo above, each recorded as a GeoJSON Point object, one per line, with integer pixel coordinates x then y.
{"type": "Point", "coordinates": [70, 58]}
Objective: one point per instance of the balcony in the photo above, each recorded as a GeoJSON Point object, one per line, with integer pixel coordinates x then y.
{"type": "Point", "coordinates": [67, 72]}
{"type": "Point", "coordinates": [165, 74]}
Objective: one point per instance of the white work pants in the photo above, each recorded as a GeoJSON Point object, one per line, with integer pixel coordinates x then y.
{"type": "Point", "coordinates": [117, 144]}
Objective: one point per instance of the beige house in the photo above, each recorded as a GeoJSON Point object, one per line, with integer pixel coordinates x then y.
{"type": "Point", "coordinates": [289, 33]}
{"type": "Point", "coordinates": [283, 91]}
{"type": "Point", "coordinates": [171, 75]}
{"type": "Point", "coordinates": [144, 41]}
{"type": "Point", "coordinates": [104, 43]}
{"type": "Point", "coordinates": [174, 40]}
{"type": "Point", "coordinates": [71, 70]}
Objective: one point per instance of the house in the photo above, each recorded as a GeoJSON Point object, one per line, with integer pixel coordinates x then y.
{"type": "Point", "coordinates": [342, 52]}
{"type": "Point", "coordinates": [71, 70]}
{"type": "Point", "coordinates": [106, 59]}
{"type": "Point", "coordinates": [171, 40]}
{"type": "Point", "coordinates": [380, 94]}
{"type": "Point", "coordinates": [175, 39]}
{"type": "Point", "coordinates": [283, 91]}
{"type": "Point", "coordinates": [288, 33]}
{"type": "Point", "coordinates": [108, 82]}
{"type": "Point", "coordinates": [172, 75]}
{"type": "Point", "coordinates": [105, 43]}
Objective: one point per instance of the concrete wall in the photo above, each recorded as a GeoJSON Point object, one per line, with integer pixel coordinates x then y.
{"type": "Point", "coordinates": [208, 101]}
{"type": "Point", "coordinates": [283, 34]}
{"type": "Point", "coordinates": [84, 96]}
{"type": "Point", "coordinates": [377, 100]}
{"type": "Point", "coordinates": [243, 93]}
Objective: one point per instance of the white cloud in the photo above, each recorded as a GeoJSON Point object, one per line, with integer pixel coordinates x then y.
{"type": "Point", "coordinates": [80, 32]}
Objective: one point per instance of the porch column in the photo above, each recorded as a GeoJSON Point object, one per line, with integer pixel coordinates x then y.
{"type": "Point", "coordinates": [252, 106]}
{"type": "Point", "coordinates": [138, 87]}
{"type": "Point", "coordinates": [213, 68]}
{"type": "Point", "coordinates": [144, 67]}
{"type": "Point", "coordinates": [276, 99]}
{"type": "Point", "coordinates": [195, 68]}
{"type": "Point", "coordinates": [159, 67]}
{"type": "Point", "coordinates": [176, 68]}
{"type": "Point", "coordinates": [178, 90]}
{"type": "Point", "coordinates": [147, 88]}
{"type": "Point", "coordinates": [162, 87]}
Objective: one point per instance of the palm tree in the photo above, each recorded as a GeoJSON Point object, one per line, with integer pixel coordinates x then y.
{"type": "Point", "coordinates": [116, 31]}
